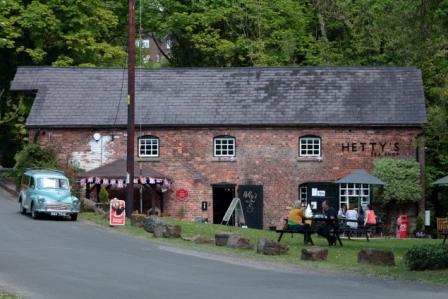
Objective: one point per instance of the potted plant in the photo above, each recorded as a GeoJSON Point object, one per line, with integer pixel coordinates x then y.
{"type": "Point", "coordinates": [419, 228]}
{"type": "Point", "coordinates": [103, 199]}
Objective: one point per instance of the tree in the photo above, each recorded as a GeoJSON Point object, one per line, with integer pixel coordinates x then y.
{"type": "Point", "coordinates": [233, 33]}
{"type": "Point", "coordinates": [402, 178]}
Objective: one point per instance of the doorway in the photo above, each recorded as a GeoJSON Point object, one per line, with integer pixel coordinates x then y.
{"type": "Point", "coordinates": [222, 197]}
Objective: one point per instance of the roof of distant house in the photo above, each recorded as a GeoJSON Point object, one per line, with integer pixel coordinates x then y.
{"type": "Point", "coordinates": [265, 96]}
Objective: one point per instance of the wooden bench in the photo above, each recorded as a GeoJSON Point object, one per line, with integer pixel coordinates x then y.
{"type": "Point", "coordinates": [360, 230]}
{"type": "Point", "coordinates": [313, 230]}
{"type": "Point", "coordinates": [292, 232]}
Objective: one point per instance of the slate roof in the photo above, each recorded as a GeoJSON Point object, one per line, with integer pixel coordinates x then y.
{"type": "Point", "coordinates": [277, 96]}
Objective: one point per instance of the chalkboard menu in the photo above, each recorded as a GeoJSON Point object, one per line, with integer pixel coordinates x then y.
{"type": "Point", "coordinates": [252, 200]}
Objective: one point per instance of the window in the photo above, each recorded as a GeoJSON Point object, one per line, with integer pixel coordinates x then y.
{"type": "Point", "coordinates": [52, 183]}
{"type": "Point", "coordinates": [142, 43]}
{"type": "Point", "coordinates": [309, 146]}
{"type": "Point", "coordinates": [148, 146]}
{"type": "Point", "coordinates": [224, 146]}
{"type": "Point", "coordinates": [353, 195]}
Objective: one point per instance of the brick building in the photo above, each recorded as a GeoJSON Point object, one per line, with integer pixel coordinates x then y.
{"type": "Point", "coordinates": [268, 135]}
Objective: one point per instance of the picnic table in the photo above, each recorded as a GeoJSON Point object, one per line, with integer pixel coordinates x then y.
{"type": "Point", "coordinates": [343, 228]}
{"type": "Point", "coordinates": [313, 229]}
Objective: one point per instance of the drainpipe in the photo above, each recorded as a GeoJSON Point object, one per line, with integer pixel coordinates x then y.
{"type": "Point", "coordinates": [421, 161]}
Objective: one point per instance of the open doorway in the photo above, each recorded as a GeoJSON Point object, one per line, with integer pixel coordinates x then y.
{"type": "Point", "coordinates": [222, 197]}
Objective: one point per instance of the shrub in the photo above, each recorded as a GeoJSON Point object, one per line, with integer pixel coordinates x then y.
{"type": "Point", "coordinates": [103, 196]}
{"type": "Point", "coordinates": [419, 223]}
{"type": "Point", "coordinates": [402, 178]}
{"type": "Point", "coordinates": [427, 257]}
{"type": "Point", "coordinates": [33, 156]}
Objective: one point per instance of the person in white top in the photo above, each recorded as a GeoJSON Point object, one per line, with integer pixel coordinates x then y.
{"type": "Point", "coordinates": [352, 215]}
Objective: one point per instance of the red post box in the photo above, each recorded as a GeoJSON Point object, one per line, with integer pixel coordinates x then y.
{"type": "Point", "coordinates": [402, 227]}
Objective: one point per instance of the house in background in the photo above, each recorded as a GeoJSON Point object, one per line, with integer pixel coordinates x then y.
{"type": "Point", "coordinates": [267, 135]}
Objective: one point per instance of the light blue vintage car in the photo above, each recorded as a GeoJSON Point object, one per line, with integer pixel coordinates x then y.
{"type": "Point", "coordinates": [47, 192]}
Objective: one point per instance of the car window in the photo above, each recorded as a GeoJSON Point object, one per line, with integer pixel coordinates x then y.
{"type": "Point", "coordinates": [32, 182]}
{"type": "Point", "coordinates": [52, 183]}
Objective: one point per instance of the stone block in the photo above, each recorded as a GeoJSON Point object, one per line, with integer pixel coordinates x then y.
{"type": "Point", "coordinates": [201, 240]}
{"type": "Point", "coordinates": [221, 239]}
{"type": "Point", "coordinates": [173, 231]}
{"type": "Point", "coordinates": [376, 257]}
{"type": "Point", "coordinates": [269, 247]}
{"type": "Point", "coordinates": [238, 242]}
{"type": "Point", "coordinates": [314, 253]}
{"type": "Point", "coordinates": [138, 220]}
{"type": "Point", "coordinates": [159, 230]}
{"type": "Point", "coordinates": [151, 222]}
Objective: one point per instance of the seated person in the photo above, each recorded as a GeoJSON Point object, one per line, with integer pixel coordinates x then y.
{"type": "Point", "coordinates": [331, 223]}
{"type": "Point", "coordinates": [295, 222]}
{"type": "Point", "coordinates": [342, 213]}
{"type": "Point", "coordinates": [352, 215]}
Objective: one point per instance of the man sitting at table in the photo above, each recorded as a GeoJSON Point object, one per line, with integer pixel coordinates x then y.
{"type": "Point", "coordinates": [295, 222]}
{"type": "Point", "coordinates": [331, 223]}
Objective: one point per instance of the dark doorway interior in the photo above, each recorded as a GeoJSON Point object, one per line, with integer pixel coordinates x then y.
{"type": "Point", "coordinates": [222, 197]}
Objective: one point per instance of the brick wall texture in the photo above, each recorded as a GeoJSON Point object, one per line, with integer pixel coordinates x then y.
{"type": "Point", "coordinates": [264, 156]}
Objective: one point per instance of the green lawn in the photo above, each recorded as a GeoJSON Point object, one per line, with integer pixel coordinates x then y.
{"type": "Point", "coordinates": [340, 259]}
{"type": "Point", "coordinates": [5, 295]}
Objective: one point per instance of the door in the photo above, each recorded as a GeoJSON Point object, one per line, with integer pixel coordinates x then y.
{"type": "Point", "coordinates": [222, 197]}
{"type": "Point", "coordinates": [252, 201]}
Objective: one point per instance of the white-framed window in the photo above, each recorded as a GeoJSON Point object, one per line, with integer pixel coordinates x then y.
{"type": "Point", "coordinates": [142, 43]}
{"type": "Point", "coordinates": [303, 192]}
{"type": "Point", "coordinates": [148, 146]}
{"type": "Point", "coordinates": [224, 146]}
{"type": "Point", "coordinates": [354, 195]}
{"type": "Point", "coordinates": [309, 146]}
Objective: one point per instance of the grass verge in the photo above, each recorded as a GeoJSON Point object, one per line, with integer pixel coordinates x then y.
{"type": "Point", "coordinates": [6, 295]}
{"type": "Point", "coordinates": [340, 259]}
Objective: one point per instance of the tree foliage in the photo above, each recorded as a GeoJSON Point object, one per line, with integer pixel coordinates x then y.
{"type": "Point", "coordinates": [402, 178]}
{"type": "Point", "coordinates": [234, 33]}
{"type": "Point", "coordinates": [53, 32]}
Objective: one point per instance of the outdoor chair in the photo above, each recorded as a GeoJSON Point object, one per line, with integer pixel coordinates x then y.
{"type": "Point", "coordinates": [442, 228]}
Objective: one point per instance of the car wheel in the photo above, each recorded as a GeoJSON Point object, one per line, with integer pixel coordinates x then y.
{"type": "Point", "coordinates": [34, 213]}
{"type": "Point", "coordinates": [74, 217]}
{"type": "Point", "coordinates": [21, 208]}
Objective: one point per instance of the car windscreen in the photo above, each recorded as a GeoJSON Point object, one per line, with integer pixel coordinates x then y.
{"type": "Point", "coordinates": [52, 183]}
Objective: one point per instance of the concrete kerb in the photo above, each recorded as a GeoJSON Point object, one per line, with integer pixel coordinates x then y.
{"type": "Point", "coordinates": [8, 186]}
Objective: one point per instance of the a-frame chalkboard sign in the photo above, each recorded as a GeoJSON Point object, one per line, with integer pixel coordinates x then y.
{"type": "Point", "coordinates": [234, 207]}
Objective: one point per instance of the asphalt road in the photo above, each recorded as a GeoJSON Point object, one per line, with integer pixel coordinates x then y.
{"type": "Point", "coordinates": [64, 259]}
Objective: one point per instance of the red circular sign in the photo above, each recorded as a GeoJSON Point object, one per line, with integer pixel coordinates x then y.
{"type": "Point", "coordinates": [182, 194]}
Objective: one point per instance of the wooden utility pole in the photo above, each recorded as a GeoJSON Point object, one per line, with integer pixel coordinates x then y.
{"type": "Point", "coordinates": [131, 109]}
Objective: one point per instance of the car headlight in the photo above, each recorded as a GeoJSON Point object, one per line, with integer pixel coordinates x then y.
{"type": "Point", "coordinates": [41, 200]}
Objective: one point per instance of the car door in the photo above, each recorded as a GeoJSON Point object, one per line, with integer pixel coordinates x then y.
{"type": "Point", "coordinates": [29, 192]}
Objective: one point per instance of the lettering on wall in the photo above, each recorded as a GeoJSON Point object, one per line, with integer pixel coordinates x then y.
{"type": "Point", "coordinates": [376, 149]}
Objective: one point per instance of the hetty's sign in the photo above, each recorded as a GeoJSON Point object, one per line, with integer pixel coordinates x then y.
{"type": "Point", "coordinates": [117, 214]}
{"type": "Point", "coordinates": [182, 194]}
{"type": "Point", "coordinates": [376, 149]}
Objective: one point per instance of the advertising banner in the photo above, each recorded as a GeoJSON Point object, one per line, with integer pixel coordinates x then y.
{"type": "Point", "coordinates": [117, 214]}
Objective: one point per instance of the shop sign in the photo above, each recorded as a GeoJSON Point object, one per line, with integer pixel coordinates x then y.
{"type": "Point", "coordinates": [376, 149]}
{"type": "Point", "coordinates": [182, 194]}
{"type": "Point", "coordinates": [117, 213]}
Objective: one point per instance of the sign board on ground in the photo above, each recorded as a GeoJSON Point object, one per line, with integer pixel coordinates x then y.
{"type": "Point", "coordinates": [234, 207]}
{"type": "Point", "coordinates": [117, 214]}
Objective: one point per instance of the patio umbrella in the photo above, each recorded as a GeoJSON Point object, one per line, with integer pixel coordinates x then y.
{"type": "Point", "coordinates": [360, 177]}
{"type": "Point", "coordinates": [441, 181]}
